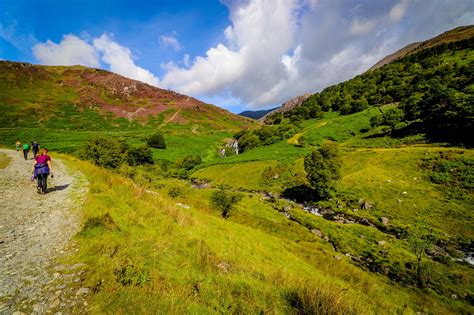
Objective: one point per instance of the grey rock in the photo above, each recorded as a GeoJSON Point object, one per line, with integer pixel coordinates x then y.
{"type": "Point", "coordinates": [224, 266]}
{"type": "Point", "coordinates": [384, 221]}
{"type": "Point", "coordinates": [318, 233]}
{"type": "Point", "coordinates": [82, 291]}
{"type": "Point", "coordinates": [367, 205]}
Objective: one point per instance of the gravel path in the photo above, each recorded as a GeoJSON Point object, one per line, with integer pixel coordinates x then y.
{"type": "Point", "coordinates": [35, 236]}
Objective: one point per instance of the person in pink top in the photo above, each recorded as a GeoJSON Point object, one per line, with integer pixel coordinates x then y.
{"type": "Point", "coordinates": [41, 169]}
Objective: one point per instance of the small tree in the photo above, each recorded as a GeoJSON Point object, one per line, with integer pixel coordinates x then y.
{"type": "Point", "coordinates": [139, 156]}
{"type": "Point", "coordinates": [156, 141]}
{"type": "Point", "coordinates": [224, 201]}
{"type": "Point", "coordinates": [420, 242]}
{"type": "Point", "coordinates": [323, 169]}
{"type": "Point", "coordinates": [189, 162]}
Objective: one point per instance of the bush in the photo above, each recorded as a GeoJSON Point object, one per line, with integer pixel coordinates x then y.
{"type": "Point", "coordinates": [323, 169]}
{"type": "Point", "coordinates": [174, 192]}
{"type": "Point", "coordinates": [156, 141]}
{"type": "Point", "coordinates": [105, 152]}
{"type": "Point", "coordinates": [139, 156]}
{"type": "Point", "coordinates": [224, 201]}
{"type": "Point", "coordinates": [189, 162]}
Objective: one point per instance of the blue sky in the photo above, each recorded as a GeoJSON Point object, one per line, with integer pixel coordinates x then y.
{"type": "Point", "coordinates": [248, 54]}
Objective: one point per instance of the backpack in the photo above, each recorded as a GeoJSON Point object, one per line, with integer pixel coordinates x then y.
{"type": "Point", "coordinates": [26, 146]}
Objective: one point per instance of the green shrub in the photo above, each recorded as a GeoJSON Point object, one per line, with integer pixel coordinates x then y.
{"type": "Point", "coordinates": [323, 169]}
{"type": "Point", "coordinates": [174, 192]}
{"type": "Point", "coordinates": [156, 141]}
{"type": "Point", "coordinates": [224, 201]}
{"type": "Point", "coordinates": [105, 152]}
{"type": "Point", "coordinates": [189, 162]}
{"type": "Point", "coordinates": [139, 156]}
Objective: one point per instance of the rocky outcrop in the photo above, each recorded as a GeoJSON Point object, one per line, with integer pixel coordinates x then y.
{"type": "Point", "coordinates": [288, 105]}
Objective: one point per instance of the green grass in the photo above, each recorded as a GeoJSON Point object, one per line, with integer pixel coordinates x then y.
{"type": "Point", "coordinates": [145, 254]}
{"type": "Point", "coordinates": [402, 191]}
{"type": "Point", "coordinates": [245, 175]}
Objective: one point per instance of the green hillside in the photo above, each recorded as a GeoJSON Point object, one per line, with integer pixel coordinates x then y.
{"type": "Point", "coordinates": [431, 92]}
{"type": "Point", "coordinates": [62, 107]}
{"type": "Point", "coordinates": [393, 236]}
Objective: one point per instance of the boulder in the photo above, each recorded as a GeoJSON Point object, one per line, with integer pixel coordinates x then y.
{"type": "Point", "coordinates": [318, 233]}
{"type": "Point", "coordinates": [366, 206]}
{"type": "Point", "coordinates": [384, 221]}
{"type": "Point", "coordinates": [381, 243]}
{"type": "Point", "coordinates": [224, 266]}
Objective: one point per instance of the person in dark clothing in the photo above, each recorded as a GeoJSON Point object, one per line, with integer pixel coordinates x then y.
{"type": "Point", "coordinates": [41, 169]}
{"type": "Point", "coordinates": [35, 148]}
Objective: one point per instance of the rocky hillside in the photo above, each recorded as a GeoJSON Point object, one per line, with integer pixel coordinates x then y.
{"type": "Point", "coordinates": [288, 105]}
{"type": "Point", "coordinates": [27, 89]}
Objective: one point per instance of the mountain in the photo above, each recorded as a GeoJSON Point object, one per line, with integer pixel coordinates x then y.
{"type": "Point", "coordinates": [427, 93]}
{"type": "Point", "coordinates": [45, 91]}
{"type": "Point", "coordinates": [453, 35]}
{"type": "Point", "coordinates": [457, 34]}
{"type": "Point", "coordinates": [256, 114]}
{"type": "Point", "coordinates": [288, 105]}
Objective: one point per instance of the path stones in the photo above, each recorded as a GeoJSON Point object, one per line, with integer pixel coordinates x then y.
{"type": "Point", "coordinates": [33, 235]}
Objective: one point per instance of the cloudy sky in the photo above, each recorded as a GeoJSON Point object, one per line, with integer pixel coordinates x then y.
{"type": "Point", "coordinates": [237, 54]}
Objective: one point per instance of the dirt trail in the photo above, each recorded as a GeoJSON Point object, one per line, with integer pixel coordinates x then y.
{"type": "Point", "coordinates": [35, 233]}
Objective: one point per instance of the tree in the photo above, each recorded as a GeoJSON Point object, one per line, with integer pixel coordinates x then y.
{"type": "Point", "coordinates": [391, 117]}
{"type": "Point", "coordinates": [323, 169]}
{"type": "Point", "coordinates": [105, 152]}
{"type": "Point", "coordinates": [156, 141]}
{"type": "Point", "coordinates": [224, 200]}
{"type": "Point", "coordinates": [139, 156]}
{"type": "Point", "coordinates": [189, 162]}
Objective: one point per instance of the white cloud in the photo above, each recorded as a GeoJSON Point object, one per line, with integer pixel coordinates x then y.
{"type": "Point", "coordinates": [120, 60]}
{"type": "Point", "coordinates": [398, 11]}
{"type": "Point", "coordinates": [275, 50]}
{"type": "Point", "coordinates": [250, 63]}
{"type": "Point", "coordinates": [70, 51]}
{"type": "Point", "coordinates": [73, 50]}
{"type": "Point", "coordinates": [361, 27]}
{"type": "Point", "coordinates": [171, 42]}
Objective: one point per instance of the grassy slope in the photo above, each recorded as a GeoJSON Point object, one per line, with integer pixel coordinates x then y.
{"type": "Point", "coordinates": [37, 105]}
{"type": "Point", "coordinates": [191, 260]}
{"type": "Point", "coordinates": [376, 168]}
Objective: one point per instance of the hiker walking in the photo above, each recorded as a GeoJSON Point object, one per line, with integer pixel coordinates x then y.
{"type": "Point", "coordinates": [17, 144]}
{"type": "Point", "coordinates": [26, 150]}
{"type": "Point", "coordinates": [41, 169]}
{"type": "Point", "coordinates": [35, 148]}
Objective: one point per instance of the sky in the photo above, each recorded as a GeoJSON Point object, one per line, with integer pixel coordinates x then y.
{"type": "Point", "coordinates": [237, 54]}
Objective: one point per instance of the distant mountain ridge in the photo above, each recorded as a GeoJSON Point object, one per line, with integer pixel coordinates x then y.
{"type": "Point", "coordinates": [256, 114]}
